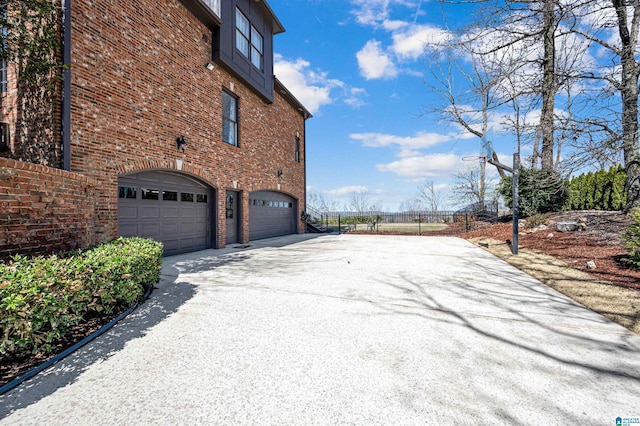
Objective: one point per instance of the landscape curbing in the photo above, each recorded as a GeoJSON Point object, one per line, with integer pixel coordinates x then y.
{"type": "Point", "coordinates": [62, 355]}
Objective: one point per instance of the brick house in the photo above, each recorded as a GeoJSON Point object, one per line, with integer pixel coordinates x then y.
{"type": "Point", "coordinates": [174, 121]}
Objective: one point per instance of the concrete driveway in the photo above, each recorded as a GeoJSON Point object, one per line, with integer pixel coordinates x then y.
{"type": "Point", "coordinates": [345, 329]}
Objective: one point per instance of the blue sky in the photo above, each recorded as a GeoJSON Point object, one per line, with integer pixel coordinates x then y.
{"type": "Point", "coordinates": [359, 67]}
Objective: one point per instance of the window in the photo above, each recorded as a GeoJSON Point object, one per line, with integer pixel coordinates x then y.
{"type": "Point", "coordinates": [150, 194]}
{"type": "Point", "coordinates": [127, 192]}
{"type": "Point", "coordinates": [256, 48]}
{"type": "Point", "coordinates": [229, 119]}
{"type": "Point", "coordinates": [169, 195]}
{"type": "Point", "coordinates": [201, 198]}
{"type": "Point", "coordinates": [297, 149]}
{"type": "Point", "coordinates": [249, 41]}
{"type": "Point", "coordinates": [243, 33]}
{"type": "Point", "coordinates": [186, 197]}
{"type": "Point", "coordinates": [229, 206]}
{"type": "Point", "coordinates": [213, 5]}
{"type": "Point", "coordinates": [3, 75]}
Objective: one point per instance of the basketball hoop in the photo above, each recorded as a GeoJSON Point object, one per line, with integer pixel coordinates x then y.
{"type": "Point", "coordinates": [474, 157]}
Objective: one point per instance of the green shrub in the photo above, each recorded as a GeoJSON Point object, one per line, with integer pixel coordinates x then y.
{"type": "Point", "coordinates": [537, 220]}
{"type": "Point", "coordinates": [539, 191]}
{"type": "Point", "coordinates": [356, 219]}
{"type": "Point", "coordinates": [42, 297]}
{"type": "Point", "coordinates": [632, 240]}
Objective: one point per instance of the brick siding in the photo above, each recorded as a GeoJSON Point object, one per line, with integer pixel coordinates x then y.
{"type": "Point", "coordinates": [139, 81]}
{"type": "Point", "coordinates": [43, 210]}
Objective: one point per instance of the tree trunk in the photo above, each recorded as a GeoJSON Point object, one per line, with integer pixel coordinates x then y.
{"type": "Point", "coordinates": [629, 93]}
{"type": "Point", "coordinates": [548, 85]}
{"type": "Point", "coordinates": [630, 133]}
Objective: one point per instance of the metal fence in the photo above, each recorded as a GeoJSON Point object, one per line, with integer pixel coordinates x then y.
{"type": "Point", "coordinates": [404, 223]}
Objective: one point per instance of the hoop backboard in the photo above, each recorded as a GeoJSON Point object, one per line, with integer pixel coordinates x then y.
{"type": "Point", "coordinates": [487, 148]}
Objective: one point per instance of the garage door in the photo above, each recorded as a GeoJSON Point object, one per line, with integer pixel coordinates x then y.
{"type": "Point", "coordinates": [271, 214]}
{"type": "Point", "coordinates": [168, 207]}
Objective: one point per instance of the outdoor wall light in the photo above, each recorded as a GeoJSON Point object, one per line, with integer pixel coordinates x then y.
{"type": "Point", "coordinates": [280, 174]}
{"type": "Point", "coordinates": [210, 66]}
{"type": "Point", "coordinates": [181, 144]}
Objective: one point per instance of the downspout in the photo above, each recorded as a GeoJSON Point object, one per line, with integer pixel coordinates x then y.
{"type": "Point", "coordinates": [66, 85]}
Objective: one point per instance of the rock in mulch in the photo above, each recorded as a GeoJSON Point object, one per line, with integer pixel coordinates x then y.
{"type": "Point", "coordinates": [566, 226]}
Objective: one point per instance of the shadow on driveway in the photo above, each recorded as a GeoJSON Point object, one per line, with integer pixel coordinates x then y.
{"type": "Point", "coordinates": [168, 296]}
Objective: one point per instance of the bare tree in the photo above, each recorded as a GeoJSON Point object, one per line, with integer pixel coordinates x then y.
{"type": "Point", "coordinates": [467, 186]}
{"type": "Point", "coordinates": [522, 42]}
{"type": "Point", "coordinates": [595, 41]}
{"type": "Point", "coordinates": [359, 203]}
{"type": "Point", "coordinates": [595, 21]}
{"type": "Point", "coordinates": [322, 203]}
{"type": "Point", "coordinates": [431, 197]}
{"type": "Point", "coordinates": [549, 85]}
{"type": "Point", "coordinates": [411, 205]}
{"type": "Point", "coordinates": [471, 108]}
{"type": "Point", "coordinates": [376, 206]}
{"type": "Point", "coordinates": [522, 103]}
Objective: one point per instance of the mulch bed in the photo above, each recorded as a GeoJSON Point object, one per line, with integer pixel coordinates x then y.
{"type": "Point", "coordinates": [601, 243]}
{"type": "Point", "coordinates": [12, 368]}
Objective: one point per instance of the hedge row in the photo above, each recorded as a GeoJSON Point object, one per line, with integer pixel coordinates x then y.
{"type": "Point", "coordinates": [632, 240]}
{"type": "Point", "coordinates": [602, 190]}
{"type": "Point", "coordinates": [42, 297]}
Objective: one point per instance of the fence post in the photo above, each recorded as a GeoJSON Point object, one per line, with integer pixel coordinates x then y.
{"type": "Point", "coordinates": [419, 223]}
{"type": "Point", "coordinates": [339, 227]}
{"type": "Point", "coordinates": [466, 221]}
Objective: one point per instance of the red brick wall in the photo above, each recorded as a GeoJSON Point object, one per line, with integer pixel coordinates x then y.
{"type": "Point", "coordinates": [44, 210]}
{"type": "Point", "coordinates": [139, 81]}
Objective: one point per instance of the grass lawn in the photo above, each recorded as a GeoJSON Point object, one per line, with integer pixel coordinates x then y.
{"type": "Point", "coordinates": [403, 227]}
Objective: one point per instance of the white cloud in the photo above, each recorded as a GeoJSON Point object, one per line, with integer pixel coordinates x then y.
{"type": "Point", "coordinates": [354, 97]}
{"type": "Point", "coordinates": [419, 141]}
{"type": "Point", "coordinates": [314, 88]}
{"type": "Point", "coordinates": [378, 61]}
{"type": "Point", "coordinates": [376, 12]}
{"type": "Point", "coordinates": [393, 25]}
{"type": "Point", "coordinates": [404, 153]}
{"type": "Point", "coordinates": [374, 62]}
{"type": "Point", "coordinates": [295, 76]}
{"type": "Point", "coordinates": [370, 12]}
{"type": "Point", "coordinates": [430, 165]}
{"type": "Point", "coordinates": [346, 190]}
{"type": "Point", "coordinates": [410, 43]}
